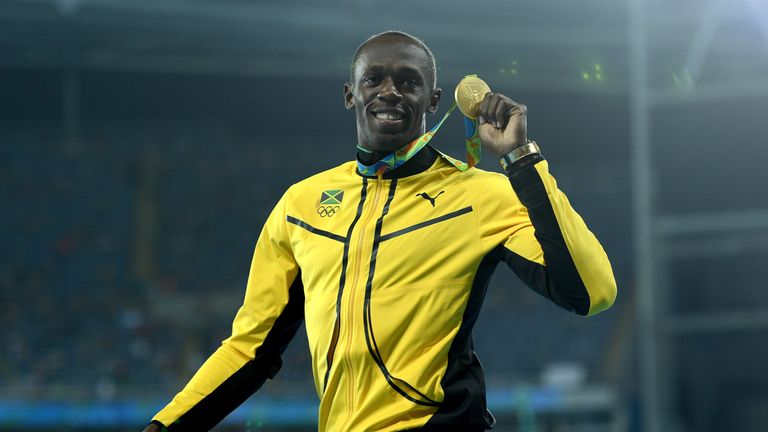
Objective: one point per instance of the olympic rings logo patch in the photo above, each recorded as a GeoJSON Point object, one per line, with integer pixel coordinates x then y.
{"type": "Point", "coordinates": [327, 210]}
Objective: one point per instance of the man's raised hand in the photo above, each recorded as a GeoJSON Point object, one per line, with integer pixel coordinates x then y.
{"type": "Point", "coordinates": [502, 123]}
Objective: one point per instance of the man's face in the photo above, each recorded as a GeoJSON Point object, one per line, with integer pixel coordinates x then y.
{"type": "Point", "coordinates": [392, 90]}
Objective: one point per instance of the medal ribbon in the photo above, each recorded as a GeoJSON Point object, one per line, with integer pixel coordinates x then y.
{"type": "Point", "coordinates": [404, 153]}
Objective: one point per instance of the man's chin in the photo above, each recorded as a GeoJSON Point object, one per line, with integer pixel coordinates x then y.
{"type": "Point", "coordinates": [386, 144]}
{"type": "Point", "coordinates": [389, 142]}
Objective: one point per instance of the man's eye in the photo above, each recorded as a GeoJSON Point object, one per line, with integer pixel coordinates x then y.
{"type": "Point", "coordinates": [411, 81]}
{"type": "Point", "coordinates": [371, 79]}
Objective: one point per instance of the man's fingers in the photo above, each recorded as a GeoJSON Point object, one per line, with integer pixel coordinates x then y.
{"type": "Point", "coordinates": [490, 113]}
{"type": "Point", "coordinates": [484, 108]}
{"type": "Point", "coordinates": [503, 110]}
{"type": "Point", "coordinates": [496, 110]}
{"type": "Point", "coordinates": [518, 108]}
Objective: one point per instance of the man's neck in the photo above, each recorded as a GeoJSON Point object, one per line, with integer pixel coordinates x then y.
{"type": "Point", "coordinates": [369, 157]}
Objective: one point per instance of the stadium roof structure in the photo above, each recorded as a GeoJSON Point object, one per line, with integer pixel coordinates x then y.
{"type": "Point", "coordinates": [552, 45]}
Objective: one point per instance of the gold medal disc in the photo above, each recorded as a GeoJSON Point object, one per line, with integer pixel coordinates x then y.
{"type": "Point", "coordinates": [469, 93]}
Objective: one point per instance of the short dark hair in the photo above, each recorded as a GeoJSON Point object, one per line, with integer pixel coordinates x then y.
{"type": "Point", "coordinates": [396, 33]}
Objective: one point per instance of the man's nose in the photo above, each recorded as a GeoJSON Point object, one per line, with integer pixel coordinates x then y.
{"type": "Point", "coordinates": [388, 92]}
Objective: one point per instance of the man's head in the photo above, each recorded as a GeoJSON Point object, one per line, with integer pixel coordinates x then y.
{"type": "Point", "coordinates": [392, 86]}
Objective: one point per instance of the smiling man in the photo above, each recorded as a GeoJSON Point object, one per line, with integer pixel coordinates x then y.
{"type": "Point", "coordinates": [405, 70]}
{"type": "Point", "coordinates": [388, 258]}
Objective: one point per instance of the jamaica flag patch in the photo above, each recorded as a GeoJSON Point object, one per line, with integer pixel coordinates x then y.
{"type": "Point", "coordinates": [331, 197]}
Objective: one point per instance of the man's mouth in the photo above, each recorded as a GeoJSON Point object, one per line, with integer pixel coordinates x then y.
{"type": "Point", "coordinates": [390, 119]}
{"type": "Point", "coordinates": [392, 116]}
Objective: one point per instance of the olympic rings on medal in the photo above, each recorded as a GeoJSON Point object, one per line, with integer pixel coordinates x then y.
{"type": "Point", "coordinates": [327, 211]}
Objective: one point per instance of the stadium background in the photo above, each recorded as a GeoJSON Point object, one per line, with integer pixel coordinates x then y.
{"type": "Point", "coordinates": [142, 144]}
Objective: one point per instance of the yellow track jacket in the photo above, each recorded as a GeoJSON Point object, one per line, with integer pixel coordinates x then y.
{"type": "Point", "coordinates": [389, 275]}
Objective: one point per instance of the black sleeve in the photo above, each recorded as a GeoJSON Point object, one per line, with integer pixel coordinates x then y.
{"type": "Point", "coordinates": [245, 382]}
{"type": "Point", "coordinates": [559, 280]}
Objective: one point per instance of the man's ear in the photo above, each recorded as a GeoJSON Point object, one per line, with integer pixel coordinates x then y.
{"type": "Point", "coordinates": [434, 100]}
{"type": "Point", "coordinates": [348, 99]}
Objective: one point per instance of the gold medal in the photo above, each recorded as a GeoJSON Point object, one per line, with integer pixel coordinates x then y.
{"type": "Point", "coordinates": [469, 93]}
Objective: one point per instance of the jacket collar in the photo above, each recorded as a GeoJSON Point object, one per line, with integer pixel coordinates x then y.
{"type": "Point", "coordinates": [420, 162]}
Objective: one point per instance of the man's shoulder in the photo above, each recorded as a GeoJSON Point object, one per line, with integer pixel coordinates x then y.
{"type": "Point", "coordinates": [474, 174]}
{"type": "Point", "coordinates": [340, 174]}
{"type": "Point", "coordinates": [478, 177]}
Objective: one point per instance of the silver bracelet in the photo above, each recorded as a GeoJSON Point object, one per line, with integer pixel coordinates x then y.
{"type": "Point", "coordinates": [515, 155]}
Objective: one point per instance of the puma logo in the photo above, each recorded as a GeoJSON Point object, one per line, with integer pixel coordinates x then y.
{"type": "Point", "coordinates": [429, 198]}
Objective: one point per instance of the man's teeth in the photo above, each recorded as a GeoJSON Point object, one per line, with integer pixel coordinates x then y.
{"type": "Point", "coordinates": [389, 116]}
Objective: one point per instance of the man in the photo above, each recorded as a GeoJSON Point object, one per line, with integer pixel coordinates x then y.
{"type": "Point", "coordinates": [389, 270]}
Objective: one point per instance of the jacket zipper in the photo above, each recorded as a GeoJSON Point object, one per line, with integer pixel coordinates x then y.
{"type": "Point", "coordinates": [345, 261]}
{"type": "Point", "coordinates": [353, 288]}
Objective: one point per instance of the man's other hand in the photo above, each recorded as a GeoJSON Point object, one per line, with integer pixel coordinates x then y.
{"type": "Point", "coordinates": [502, 124]}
